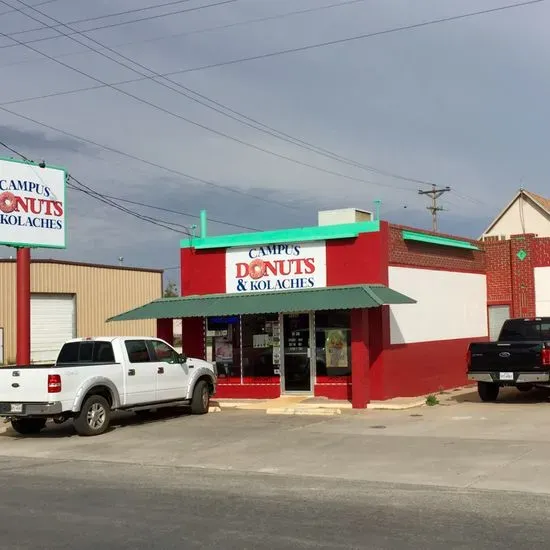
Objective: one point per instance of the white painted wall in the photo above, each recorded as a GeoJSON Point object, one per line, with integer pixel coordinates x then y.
{"type": "Point", "coordinates": [542, 291]}
{"type": "Point", "coordinates": [449, 306]}
{"type": "Point", "coordinates": [522, 216]}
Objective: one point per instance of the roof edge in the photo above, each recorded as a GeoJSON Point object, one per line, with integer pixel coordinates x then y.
{"type": "Point", "coordinates": [84, 264]}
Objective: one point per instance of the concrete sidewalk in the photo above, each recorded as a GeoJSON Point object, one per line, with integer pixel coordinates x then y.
{"type": "Point", "coordinates": [306, 405]}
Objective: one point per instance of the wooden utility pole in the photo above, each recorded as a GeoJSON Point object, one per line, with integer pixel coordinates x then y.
{"type": "Point", "coordinates": [434, 208]}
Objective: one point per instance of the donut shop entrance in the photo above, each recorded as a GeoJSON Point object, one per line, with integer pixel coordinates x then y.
{"type": "Point", "coordinates": [294, 350]}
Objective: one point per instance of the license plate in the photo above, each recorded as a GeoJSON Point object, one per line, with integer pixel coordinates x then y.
{"type": "Point", "coordinates": [16, 408]}
{"type": "Point", "coordinates": [506, 375]}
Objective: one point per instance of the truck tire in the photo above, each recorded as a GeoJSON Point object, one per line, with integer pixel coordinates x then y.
{"type": "Point", "coordinates": [28, 426]}
{"type": "Point", "coordinates": [94, 416]}
{"type": "Point", "coordinates": [487, 391]}
{"type": "Point", "coordinates": [201, 398]}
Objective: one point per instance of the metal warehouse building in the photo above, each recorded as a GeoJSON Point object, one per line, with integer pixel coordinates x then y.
{"type": "Point", "coordinates": [72, 299]}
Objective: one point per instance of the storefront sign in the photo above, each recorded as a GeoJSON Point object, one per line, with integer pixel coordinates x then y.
{"type": "Point", "coordinates": [288, 266]}
{"type": "Point", "coordinates": [32, 205]}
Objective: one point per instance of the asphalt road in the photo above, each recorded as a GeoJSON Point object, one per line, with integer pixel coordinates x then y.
{"type": "Point", "coordinates": [88, 505]}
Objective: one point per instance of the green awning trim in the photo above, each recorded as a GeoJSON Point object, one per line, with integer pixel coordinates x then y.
{"type": "Point", "coordinates": [436, 239]}
{"type": "Point", "coordinates": [301, 234]}
{"type": "Point", "coordinates": [249, 303]}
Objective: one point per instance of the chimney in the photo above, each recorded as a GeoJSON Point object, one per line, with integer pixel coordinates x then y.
{"type": "Point", "coordinates": [343, 215]}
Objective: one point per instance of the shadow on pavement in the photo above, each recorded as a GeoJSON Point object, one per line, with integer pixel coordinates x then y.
{"type": "Point", "coordinates": [120, 420]}
{"type": "Point", "coordinates": [506, 395]}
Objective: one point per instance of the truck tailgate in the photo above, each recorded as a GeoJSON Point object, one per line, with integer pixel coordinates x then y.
{"type": "Point", "coordinates": [506, 356]}
{"type": "Point", "coordinates": [24, 384]}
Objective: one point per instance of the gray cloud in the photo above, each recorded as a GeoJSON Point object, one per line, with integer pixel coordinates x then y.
{"type": "Point", "coordinates": [457, 104]}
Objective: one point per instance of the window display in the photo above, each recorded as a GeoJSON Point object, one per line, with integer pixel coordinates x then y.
{"type": "Point", "coordinates": [261, 348]}
{"type": "Point", "coordinates": [333, 343]}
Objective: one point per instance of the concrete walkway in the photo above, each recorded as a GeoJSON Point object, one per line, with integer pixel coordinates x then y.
{"type": "Point", "coordinates": [321, 406]}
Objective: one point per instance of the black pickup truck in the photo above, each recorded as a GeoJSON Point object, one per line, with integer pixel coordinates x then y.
{"type": "Point", "coordinates": [520, 357]}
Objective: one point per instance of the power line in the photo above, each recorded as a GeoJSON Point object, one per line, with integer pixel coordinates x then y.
{"type": "Point", "coordinates": [357, 37]}
{"type": "Point", "coordinates": [334, 156]}
{"type": "Point", "coordinates": [255, 124]}
{"type": "Point", "coordinates": [91, 192]}
{"type": "Point", "coordinates": [179, 212]}
{"type": "Point", "coordinates": [189, 121]}
{"type": "Point", "coordinates": [155, 221]}
{"type": "Point", "coordinates": [121, 23]}
{"type": "Point", "coordinates": [97, 18]}
{"type": "Point", "coordinates": [204, 30]}
{"type": "Point", "coordinates": [36, 5]}
{"type": "Point", "coordinates": [145, 161]}
{"type": "Point", "coordinates": [98, 196]}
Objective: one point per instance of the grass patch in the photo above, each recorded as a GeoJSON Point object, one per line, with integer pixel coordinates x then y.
{"type": "Point", "coordinates": [432, 400]}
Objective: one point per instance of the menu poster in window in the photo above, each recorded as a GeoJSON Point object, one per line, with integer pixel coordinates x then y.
{"type": "Point", "coordinates": [296, 342]}
{"type": "Point", "coordinates": [336, 349]}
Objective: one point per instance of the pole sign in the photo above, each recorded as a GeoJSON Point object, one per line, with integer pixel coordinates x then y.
{"type": "Point", "coordinates": [32, 205]}
{"type": "Point", "coordinates": [288, 266]}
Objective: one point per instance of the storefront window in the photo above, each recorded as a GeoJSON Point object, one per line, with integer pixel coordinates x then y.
{"type": "Point", "coordinates": [261, 348]}
{"type": "Point", "coordinates": [224, 340]}
{"type": "Point", "coordinates": [333, 341]}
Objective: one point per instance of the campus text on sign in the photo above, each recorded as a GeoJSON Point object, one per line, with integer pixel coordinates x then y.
{"type": "Point", "coordinates": [32, 205]}
{"type": "Point", "coordinates": [286, 266]}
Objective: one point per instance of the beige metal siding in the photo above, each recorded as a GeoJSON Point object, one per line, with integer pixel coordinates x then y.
{"type": "Point", "coordinates": [101, 292]}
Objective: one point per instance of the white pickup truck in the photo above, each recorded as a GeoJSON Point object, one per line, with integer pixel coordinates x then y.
{"type": "Point", "coordinates": [93, 377]}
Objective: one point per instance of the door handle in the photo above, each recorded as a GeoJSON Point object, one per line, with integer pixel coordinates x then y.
{"type": "Point", "coordinates": [132, 372]}
{"type": "Point", "coordinates": [160, 370]}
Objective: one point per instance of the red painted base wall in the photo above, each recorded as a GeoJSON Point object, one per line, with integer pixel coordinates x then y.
{"type": "Point", "coordinates": [418, 369]}
{"type": "Point", "coordinates": [247, 391]}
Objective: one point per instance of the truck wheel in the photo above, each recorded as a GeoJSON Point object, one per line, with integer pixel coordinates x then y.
{"type": "Point", "coordinates": [487, 391]}
{"type": "Point", "coordinates": [201, 398]}
{"type": "Point", "coordinates": [94, 416]}
{"type": "Point", "coordinates": [28, 426]}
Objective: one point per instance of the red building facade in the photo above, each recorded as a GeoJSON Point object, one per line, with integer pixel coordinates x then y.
{"type": "Point", "coordinates": [392, 352]}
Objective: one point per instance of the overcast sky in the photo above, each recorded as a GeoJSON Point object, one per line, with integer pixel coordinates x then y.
{"type": "Point", "coordinates": [462, 103]}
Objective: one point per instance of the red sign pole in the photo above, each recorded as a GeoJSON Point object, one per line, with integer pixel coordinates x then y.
{"type": "Point", "coordinates": [23, 306]}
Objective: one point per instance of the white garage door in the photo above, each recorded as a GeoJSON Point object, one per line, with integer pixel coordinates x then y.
{"type": "Point", "coordinates": [53, 321]}
{"type": "Point", "coordinates": [497, 316]}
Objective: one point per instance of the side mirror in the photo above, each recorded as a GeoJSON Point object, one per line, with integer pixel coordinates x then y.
{"type": "Point", "coordinates": [183, 358]}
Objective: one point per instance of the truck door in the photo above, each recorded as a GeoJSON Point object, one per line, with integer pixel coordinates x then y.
{"type": "Point", "coordinates": [140, 377]}
{"type": "Point", "coordinates": [172, 375]}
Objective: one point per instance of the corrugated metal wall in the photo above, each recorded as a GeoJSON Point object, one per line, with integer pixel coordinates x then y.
{"type": "Point", "coordinates": [101, 292]}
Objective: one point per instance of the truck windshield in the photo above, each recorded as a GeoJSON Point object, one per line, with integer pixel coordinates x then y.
{"type": "Point", "coordinates": [519, 330]}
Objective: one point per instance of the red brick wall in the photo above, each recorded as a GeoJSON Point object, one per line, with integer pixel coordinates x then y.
{"type": "Point", "coordinates": [541, 252]}
{"type": "Point", "coordinates": [415, 254]}
{"type": "Point", "coordinates": [499, 273]}
{"type": "Point", "coordinates": [510, 279]}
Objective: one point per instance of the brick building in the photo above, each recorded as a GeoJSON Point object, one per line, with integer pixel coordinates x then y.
{"type": "Point", "coordinates": [517, 248]}
{"type": "Point", "coordinates": [354, 308]}
{"type": "Point", "coordinates": [518, 278]}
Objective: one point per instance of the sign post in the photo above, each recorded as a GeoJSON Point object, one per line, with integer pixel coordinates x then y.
{"type": "Point", "coordinates": [32, 215]}
{"type": "Point", "coordinates": [23, 306]}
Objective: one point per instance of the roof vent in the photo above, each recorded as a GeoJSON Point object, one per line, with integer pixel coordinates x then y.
{"type": "Point", "coordinates": [343, 215]}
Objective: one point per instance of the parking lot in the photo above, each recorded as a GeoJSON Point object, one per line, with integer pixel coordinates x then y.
{"type": "Point", "coordinates": [459, 443]}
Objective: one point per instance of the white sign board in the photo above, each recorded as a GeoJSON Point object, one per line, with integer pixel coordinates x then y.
{"type": "Point", "coordinates": [286, 266]}
{"type": "Point", "coordinates": [32, 205]}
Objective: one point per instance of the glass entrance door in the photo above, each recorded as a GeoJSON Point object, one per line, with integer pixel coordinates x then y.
{"type": "Point", "coordinates": [296, 355]}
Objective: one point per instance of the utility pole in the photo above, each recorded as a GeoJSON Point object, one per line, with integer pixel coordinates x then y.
{"type": "Point", "coordinates": [434, 208]}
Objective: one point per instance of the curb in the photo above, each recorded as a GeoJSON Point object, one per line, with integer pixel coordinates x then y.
{"type": "Point", "coordinates": [318, 411]}
{"type": "Point", "coordinates": [396, 406]}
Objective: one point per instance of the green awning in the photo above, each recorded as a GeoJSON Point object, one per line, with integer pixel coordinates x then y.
{"type": "Point", "coordinates": [341, 297]}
